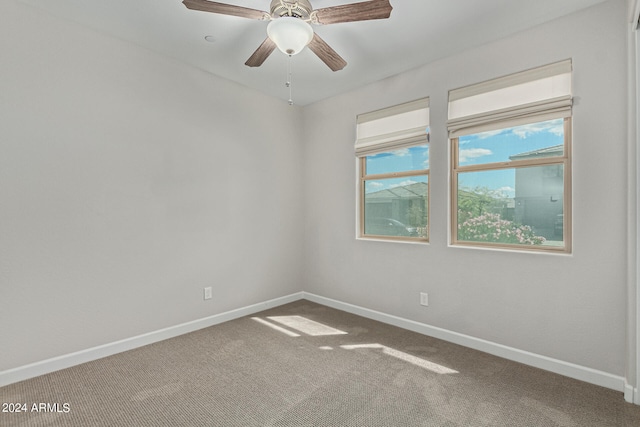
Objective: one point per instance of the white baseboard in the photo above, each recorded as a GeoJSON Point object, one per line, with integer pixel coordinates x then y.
{"type": "Point", "coordinates": [54, 364]}
{"type": "Point", "coordinates": [631, 394]}
{"type": "Point", "coordinates": [571, 370]}
{"type": "Point", "coordinates": [553, 365]}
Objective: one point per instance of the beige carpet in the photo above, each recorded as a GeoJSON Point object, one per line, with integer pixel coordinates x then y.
{"type": "Point", "coordinates": [303, 364]}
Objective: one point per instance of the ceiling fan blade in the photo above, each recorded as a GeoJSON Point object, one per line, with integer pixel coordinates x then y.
{"type": "Point", "coordinates": [261, 54]}
{"type": "Point", "coordinates": [363, 11]}
{"type": "Point", "coordinates": [224, 9]}
{"type": "Point", "coordinates": [326, 53]}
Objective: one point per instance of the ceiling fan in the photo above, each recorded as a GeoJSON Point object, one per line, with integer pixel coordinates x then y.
{"type": "Point", "coordinates": [290, 29]}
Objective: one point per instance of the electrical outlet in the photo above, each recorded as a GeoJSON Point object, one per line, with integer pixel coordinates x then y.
{"type": "Point", "coordinates": [424, 298]}
{"type": "Point", "coordinates": [208, 293]}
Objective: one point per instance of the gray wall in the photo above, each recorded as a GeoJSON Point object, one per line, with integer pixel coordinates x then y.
{"type": "Point", "coordinates": [129, 182]}
{"type": "Point", "coordinates": [572, 308]}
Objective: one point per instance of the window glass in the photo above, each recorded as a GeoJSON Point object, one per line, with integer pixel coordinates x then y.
{"type": "Point", "coordinates": [520, 206]}
{"type": "Point", "coordinates": [509, 186]}
{"type": "Point", "coordinates": [515, 143]}
{"type": "Point", "coordinates": [396, 206]}
{"type": "Point", "coordinates": [405, 159]}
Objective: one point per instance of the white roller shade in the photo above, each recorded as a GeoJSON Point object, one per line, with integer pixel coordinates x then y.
{"type": "Point", "coordinates": [534, 95]}
{"type": "Point", "coordinates": [393, 128]}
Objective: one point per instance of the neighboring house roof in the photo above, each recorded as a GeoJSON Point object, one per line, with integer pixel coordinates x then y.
{"type": "Point", "coordinates": [543, 152]}
{"type": "Point", "coordinates": [410, 191]}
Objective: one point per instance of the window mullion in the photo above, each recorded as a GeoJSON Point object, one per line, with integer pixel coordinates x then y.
{"type": "Point", "coordinates": [396, 175]}
{"type": "Point", "coordinates": [512, 164]}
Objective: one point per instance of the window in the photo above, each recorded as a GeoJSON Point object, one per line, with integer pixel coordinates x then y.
{"type": "Point", "coordinates": [510, 154]}
{"type": "Point", "coordinates": [393, 162]}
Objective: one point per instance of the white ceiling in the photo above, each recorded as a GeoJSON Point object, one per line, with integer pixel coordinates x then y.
{"type": "Point", "coordinates": [418, 32]}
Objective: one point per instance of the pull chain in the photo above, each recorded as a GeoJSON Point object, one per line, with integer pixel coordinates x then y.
{"type": "Point", "coordinates": [289, 84]}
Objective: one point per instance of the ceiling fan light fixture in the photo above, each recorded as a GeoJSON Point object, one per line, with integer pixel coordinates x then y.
{"type": "Point", "coordinates": [290, 34]}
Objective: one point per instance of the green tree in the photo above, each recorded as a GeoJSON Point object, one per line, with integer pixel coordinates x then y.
{"type": "Point", "coordinates": [481, 218]}
{"type": "Point", "coordinates": [417, 217]}
{"type": "Point", "coordinates": [476, 202]}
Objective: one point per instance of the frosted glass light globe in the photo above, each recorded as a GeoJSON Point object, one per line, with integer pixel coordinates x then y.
{"type": "Point", "coordinates": [290, 34]}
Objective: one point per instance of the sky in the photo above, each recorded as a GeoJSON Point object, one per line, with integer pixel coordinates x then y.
{"type": "Point", "coordinates": [498, 146]}
{"type": "Point", "coordinates": [406, 159]}
{"type": "Point", "coordinates": [481, 148]}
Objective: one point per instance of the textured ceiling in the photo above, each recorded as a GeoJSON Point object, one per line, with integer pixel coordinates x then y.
{"type": "Point", "coordinates": [418, 32]}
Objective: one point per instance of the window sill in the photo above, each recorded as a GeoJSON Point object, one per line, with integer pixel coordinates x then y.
{"type": "Point", "coordinates": [379, 239]}
{"type": "Point", "coordinates": [524, 250]}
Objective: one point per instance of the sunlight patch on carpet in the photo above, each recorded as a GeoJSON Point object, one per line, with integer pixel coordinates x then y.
{"type": "Point", "coordinates": [306, 326]}
{"type": "Point", "coordinates": [276, 327]}
{"type": "Point", "coordinates": [433, 367]}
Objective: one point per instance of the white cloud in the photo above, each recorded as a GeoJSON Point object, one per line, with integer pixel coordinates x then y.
{"type": "Point", "coordinates": [425, 163]}
{"type": "Point", "coordinates": [401, 152]}
{"type": "Point", "coordinates": [490, 133]}
{"type": "Point", "coordinates": [403, 183]}
{"type": "Point", "coordinates": [374, 185]}
{"type": "Point", "coordinates": [473, 153]}
{"type": "Point", "coordinates": [506, 191]}
{"type": "Point", "coordinates": [555, 127]}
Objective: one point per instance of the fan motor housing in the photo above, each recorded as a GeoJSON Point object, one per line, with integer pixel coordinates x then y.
{"type": "Point", "coordinates": [296, 8]}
